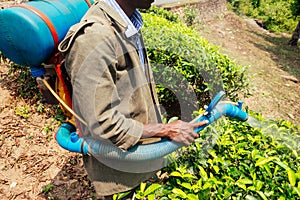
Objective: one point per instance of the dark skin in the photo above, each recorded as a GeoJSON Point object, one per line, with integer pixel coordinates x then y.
{"type": "Point", "coordinates": [179, 131]}
{"type": "Point", "coordinates": [129, 6]}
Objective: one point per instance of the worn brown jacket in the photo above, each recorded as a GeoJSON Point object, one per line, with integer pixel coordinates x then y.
{"type": "Point", "coordinates": [111, 90]}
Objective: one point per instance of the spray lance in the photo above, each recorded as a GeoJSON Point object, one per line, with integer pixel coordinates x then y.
{"type": "Point", "coordinates": [217, 109]}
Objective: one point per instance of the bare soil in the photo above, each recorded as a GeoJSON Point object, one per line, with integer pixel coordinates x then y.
{"type": "Point", "coordinates": [33, 166]}
{"type": "Point", "coordinates": [273, 66]}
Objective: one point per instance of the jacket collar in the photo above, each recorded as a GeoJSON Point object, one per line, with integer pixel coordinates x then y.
{"type": "Point", "coordinates": [113, 14]}
{"type": "Point", "coordinates": [134, 22]}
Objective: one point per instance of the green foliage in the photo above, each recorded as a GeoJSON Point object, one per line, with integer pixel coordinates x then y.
{"type": "Point", "coordinates": [58, 114]}
{"type": "Point", "coordinates": [189, 15]}
{"type": "Point", "coordinates": [23, 111]}
{"type": "Point", "coordinates": [23, 82]}
{"type": "Point", "coordinates": [233, 160]}
{"type": "Point", "coordinates": [47, 188]}
{"type": "Point", "coordinates": [121, 195]}
{"type": "Point", "coordinates": [160, 12]}
{"type": "Point", "coordinates": [278, 16]}
{"type": "Point", "coordinates": [186, 65]}
{"type": "Point", "coordinates": [149, 192]}
{"type": "Point", "coordinates": [23, 85]}
{"type": "Point", "coordinates": [295, 7]}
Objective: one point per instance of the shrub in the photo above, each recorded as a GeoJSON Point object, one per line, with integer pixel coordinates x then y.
{"type": "Point", "coordinates": [278, 16]}
{"type": "Point", "coordinates": [160, 12]}
{"type": "Point", "coordinates": [243, 162]}
{"type": "Point", "coordinates": [189, 15]}
{"type": "Point", "coordinates": [187, 68]}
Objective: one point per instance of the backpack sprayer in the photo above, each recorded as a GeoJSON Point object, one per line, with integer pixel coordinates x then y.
{"type": "Point", "coordinates": [30, 34]}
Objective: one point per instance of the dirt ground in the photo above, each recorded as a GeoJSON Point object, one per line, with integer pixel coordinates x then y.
{"type": "Point", "coordinates": [33, 166]}
{"type": "Point", "coordinates": [274, 67]}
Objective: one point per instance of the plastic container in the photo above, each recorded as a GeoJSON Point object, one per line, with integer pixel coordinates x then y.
{"type": "Point", "coordinates": [25, 37]}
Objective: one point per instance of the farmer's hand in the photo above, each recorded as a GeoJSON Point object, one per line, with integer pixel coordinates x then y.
{"type": "Point", "coordinates": [178, 131]}
{"type": "Point", "coordinates": [183, 132]}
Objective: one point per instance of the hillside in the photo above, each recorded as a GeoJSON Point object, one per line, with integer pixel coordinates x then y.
{"type": "Point", "coordinates": [274, 67]}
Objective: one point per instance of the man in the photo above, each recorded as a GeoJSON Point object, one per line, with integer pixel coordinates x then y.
{"type": "Point", "coordinates": [113, 89]}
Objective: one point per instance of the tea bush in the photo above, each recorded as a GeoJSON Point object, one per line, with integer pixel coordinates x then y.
{"type": "Point", "coordinates": [160, 12]}
{"type": "Point", "coordinates": [278, 16]}
{"type": "Point", "coordinates": [233, 160]}
{"type": "Point", "coordinates": [187, 67]}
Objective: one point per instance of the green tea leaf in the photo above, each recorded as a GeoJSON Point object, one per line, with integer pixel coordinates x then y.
{"type": "Point", "coordinates": [213, 153]}
{"type": "Point", "coordinates": [192, 197]}
{"type": "Point", "coordinates": [259, 185]}
{"type": "Point", "coordinates": [179, 192]}
{"type": "Point", "coordinates": [151, 197]}
{"type": "Point", "coordinates": [206, 186]}
{"type": "Point", "coordinates": [262, 161]}
{"type": "Point", "coordinates": [245, 181]}
{"type": "Point", "coordinates": [252, 188]}
{"type": "Point", "coordinates": [121, 195]}
{"type": "Point", "coordinates": [197, 185]}
{"type": "Point", "coordinates": [203, 173]}
{"type": "Point", "coordinates": [142, 187]}
{"type": "Point", "coordinates": [262, 195]}
{"type": "Point", "coordinates": [152, 188]}
{"type": "Point", "coordinates": [291, 176]}
{"type": "Point", "coordinates": [297, 190]}
{"type": "Point", "coordinates": [186, 185]}
{"type": "Point", "coordinates": [241, 185]}
{"type": "Point", "coordinates": [284, 166]}
{"type": "Point", "coordinates": [176, 173]}
{"type": "Point", "coordinates": [190, 176]}
{"type": "Point", "coordinates": [268, 170]}
{"type": "Point", "coordinates": [216, 168]}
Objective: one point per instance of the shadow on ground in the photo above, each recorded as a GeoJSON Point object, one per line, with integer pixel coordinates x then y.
{"type": "Point", "coordinates": [71, 182]}
{"type": "Point", "coordinates": [287, 57]}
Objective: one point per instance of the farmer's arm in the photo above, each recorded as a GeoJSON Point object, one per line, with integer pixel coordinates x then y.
{"type": "Point", "coordinates": [179, 131]}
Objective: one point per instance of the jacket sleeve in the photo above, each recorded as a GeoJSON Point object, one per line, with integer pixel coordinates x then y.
{"type": "Point", "coordinates": [91, 63]}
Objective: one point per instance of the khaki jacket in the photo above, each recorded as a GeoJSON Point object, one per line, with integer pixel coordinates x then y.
{"type": "Point", "coordinates": [111, 90]}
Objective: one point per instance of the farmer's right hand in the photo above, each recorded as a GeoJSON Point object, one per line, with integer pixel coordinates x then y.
{"type": "Point", "coordinates": [183, 132]}
{"type": "Point", "coordinates": [178, 131]}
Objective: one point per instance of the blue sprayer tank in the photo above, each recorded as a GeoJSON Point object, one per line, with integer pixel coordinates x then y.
{"type": "Point", "coordinates": [25, 35]}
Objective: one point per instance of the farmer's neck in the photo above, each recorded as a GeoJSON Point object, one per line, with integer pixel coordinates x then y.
{"type": "Point", "coordinates": [126, 7]}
